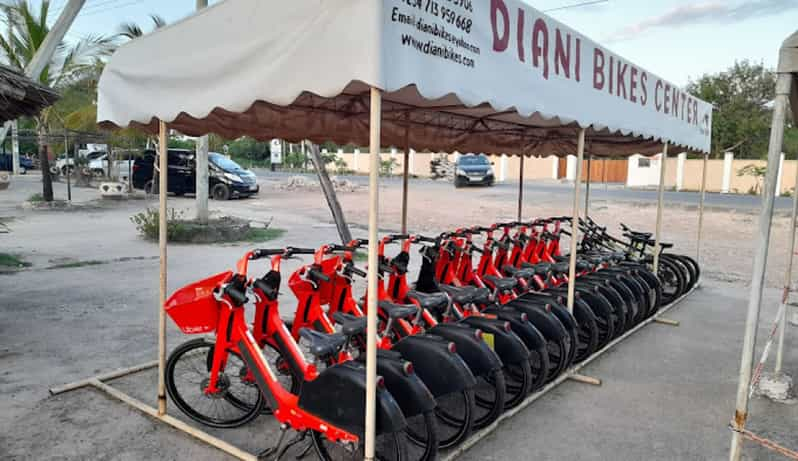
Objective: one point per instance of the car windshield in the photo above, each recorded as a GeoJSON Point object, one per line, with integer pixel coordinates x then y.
{"type": "Point", "coordinates": [224, 163]}
{"type": "Point", "coordinates": [95, 155]}
{"type": "Point", "coordinates": [473, 160]}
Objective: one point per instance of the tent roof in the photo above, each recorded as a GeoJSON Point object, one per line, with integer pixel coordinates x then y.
{"type": "Point", "coordinates": [21, 96]}
{"type": "Point", "coordinates": [494, 77]}
{"type": "Point", "coordinates": [788, 63]}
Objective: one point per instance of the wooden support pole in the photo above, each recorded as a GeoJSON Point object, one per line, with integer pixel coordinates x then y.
{"type": "Point", "coordinates": [521, 190]}
{"type": "Point", "coordinates": [371, 327]}
{"type": "Point", "coordinates": [587, 187]}
{"type": "Point", "coordinates": [405, 175]}
{"type": "Point", "coordinates": [660, 200]}
{"type": "Point", "coordinates": [329, 193]}
{"type": "Point", "coordinates": [585, 379]}
{"type": "Point", "coordinates": [669, 322]}
{"type": "Point", "coordinates": [163, 189]}
{"type": "Point", "coordinates": [580, 155]}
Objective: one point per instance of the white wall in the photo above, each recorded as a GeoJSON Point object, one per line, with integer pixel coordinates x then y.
{"type": "Point", "coordinates": [639, 175]}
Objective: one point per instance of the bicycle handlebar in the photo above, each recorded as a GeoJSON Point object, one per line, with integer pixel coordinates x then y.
{"type": "Point", "coordinates": [318, 275]}
{"type": "Point", "coordinates": [265, 253]}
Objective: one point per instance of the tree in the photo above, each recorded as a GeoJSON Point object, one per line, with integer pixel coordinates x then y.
{"type": "Point", "coordinates": [131, 30]}
{"type": "Point", "coordinates": [742, 96]}
{"type": "Point", "coordinates": [26, 33]}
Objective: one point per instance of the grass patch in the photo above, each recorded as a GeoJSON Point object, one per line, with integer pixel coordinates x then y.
{"type": "Point", "coordinates": [9, 260]}
{"type": "Point", "coordinates": [74, 264]}
{"type": "Point", "coordinates": [36, 198]}
{"type": "Point", "coordinates": [263, 234]}
{"type": "Point", "coordinates": [360, 256]}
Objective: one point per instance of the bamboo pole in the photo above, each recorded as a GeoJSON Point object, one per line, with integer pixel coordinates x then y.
{"type": "Point", "coordinates": [783, 85]}
{"type": "Point", "coordinates": [371, 343]}
{"type": "Point", "coordinates": [405, 175]}
{"type": "Point", "coordinates": [521, 190]}
{"type": "Point", "coordinates": [701, 209]}
{"type": "Point", "coordinates": [787, 281]}
{"type": "Point", "coordinates": [103, 377]}
{"type": "Point", "coordinates": [587, 187]}
{"type": "Point", "coordinates": [163, 189]}
{"type": "Point", "coordinates": [580, 154]}
{"type": "Point", "coordinates": [660, 199]}
{"type": "Point", "coordinates": [174, 422]}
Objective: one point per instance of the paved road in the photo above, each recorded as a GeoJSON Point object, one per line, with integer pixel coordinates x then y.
{"type": "Point", "coordinates": [598, 192]}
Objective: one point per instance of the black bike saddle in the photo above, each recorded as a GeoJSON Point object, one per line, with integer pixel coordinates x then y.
{"type": "Point", "coordinates": [322, 344]}
{"type": "Point", "coordinates": [398, 311]}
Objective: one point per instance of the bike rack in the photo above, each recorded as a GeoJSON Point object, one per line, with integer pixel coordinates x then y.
{"type": "Point", "coordinates": [572, 374]}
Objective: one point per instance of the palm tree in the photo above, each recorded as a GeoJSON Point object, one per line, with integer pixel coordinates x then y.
{"type": "Point", "coordinates": [131, 30]}
{"type": "Point", "coordinates": [27, 29]}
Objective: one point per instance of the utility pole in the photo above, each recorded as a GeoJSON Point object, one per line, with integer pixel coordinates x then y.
{"type": "Point", "coordinates": [201, 197]}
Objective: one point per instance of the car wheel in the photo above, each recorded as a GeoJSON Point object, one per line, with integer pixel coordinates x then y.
{"type": "Point", "coordinates": [221, 192]}
{"type": "Point", "coordinates": [458, 183]}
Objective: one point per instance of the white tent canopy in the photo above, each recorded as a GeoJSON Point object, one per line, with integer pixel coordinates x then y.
{"type": "Point", "coordinates": [485, 76]}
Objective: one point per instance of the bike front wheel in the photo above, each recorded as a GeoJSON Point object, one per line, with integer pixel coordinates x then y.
{"type": "Point", "coordinates": [188, 373]}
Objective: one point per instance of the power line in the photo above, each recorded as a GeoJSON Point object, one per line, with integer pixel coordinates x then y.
{"type": "Point", "coordinates": [575, 5]}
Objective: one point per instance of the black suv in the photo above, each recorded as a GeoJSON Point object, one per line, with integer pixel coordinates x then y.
{"type": "Point", "coordinates": [473, 169]}
{"type": "Point", "coordinates": [227, 178]}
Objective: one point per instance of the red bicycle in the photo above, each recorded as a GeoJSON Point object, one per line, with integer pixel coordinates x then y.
{"type": "Point", "coordinates": [222, 383]}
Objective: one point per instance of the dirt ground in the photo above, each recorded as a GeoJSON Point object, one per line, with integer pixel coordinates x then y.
{"type": "Point", "coordinates": [668, 393]}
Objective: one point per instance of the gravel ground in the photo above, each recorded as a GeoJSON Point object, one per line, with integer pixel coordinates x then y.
{"type": "Point", "coordinates": [668, 393]}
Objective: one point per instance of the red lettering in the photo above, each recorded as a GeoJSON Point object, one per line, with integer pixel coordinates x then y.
{"type": "Point", "coordinates": [689, 110]}
{"type": "Point", "coordinates": [633, 85]}
{"type": "Point", "coordinates": [667, 97]}
{"type": "Point", "coordinates": [598, 69]}
{"type": "Point", "coordinates": [622, 78]}
{"type": "Point", "coordinates": [684, 96]}
{"type": "Point", "coordinates": [562, 55]}
{"type": "Point", "coordinates": [695, 113]}
{"type": "Point", "coordinates": [643, 81]}
{"type": "Point", "coordinates": [578, 67]}
{"type": "Point", "coordinates": [520, 35]}
{"type": "Point", "coordinates": [657, 102]}
{"type": "Point", "coordinates": [497, 7]}
{"type": "Point", "coordinates": [540, 46]}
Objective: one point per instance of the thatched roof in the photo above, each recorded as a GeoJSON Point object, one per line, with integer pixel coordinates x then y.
{"type": "Point", "coordinates": [21, 96]}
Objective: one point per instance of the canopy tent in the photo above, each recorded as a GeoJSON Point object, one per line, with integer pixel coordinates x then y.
{"type": "Point", "coordinates": [493, 77]}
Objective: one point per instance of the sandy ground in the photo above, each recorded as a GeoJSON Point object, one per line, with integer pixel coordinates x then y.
{"type": "Point", "coordinates": [668, 393]}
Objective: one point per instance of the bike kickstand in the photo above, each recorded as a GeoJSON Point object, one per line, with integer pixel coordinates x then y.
{"type": "Point", "coordinates": [278, 449]}
{"type": "Point", "coordinates": [306, 451]}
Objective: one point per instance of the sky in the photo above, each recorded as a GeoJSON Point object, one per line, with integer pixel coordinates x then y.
{"type": "Point", "coordinates": [676, 39]}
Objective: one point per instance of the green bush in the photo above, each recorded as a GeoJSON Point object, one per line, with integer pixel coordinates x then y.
{"type": "Point", "coordinates": [147, 223]}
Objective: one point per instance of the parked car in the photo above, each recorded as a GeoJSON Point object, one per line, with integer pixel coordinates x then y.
{"type": "Point", "coordinates": [227, 179]}
{"type": "Point", "coordinates": [98, 165]}
{"type": "Point", "coordinates": [473, 169]}
{"type": "Point", "coordinates": [61, 163]}
{"type": "Point", "coordinates": [6, 163]}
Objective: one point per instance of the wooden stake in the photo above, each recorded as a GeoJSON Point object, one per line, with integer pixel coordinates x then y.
{"type": "Point", "coordinates": [585, 379]}
{"type": "Point", "coordinates": [669, 322]}
{"type": "Point", "coordinates": [163, 189]}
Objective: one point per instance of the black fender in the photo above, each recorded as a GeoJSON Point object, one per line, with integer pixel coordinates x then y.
{"type": "Point", "coordinates": [539, 315]}
{"type": "Point", "coordinates": [338, 396]}
{"type": "Point", "coordinates": [509, 347]}
{"type": "Point", "coordinates": [442, 371]}
{"type": "Point", "coordinates": [406, 387]}
{"type": "Point", "coordinates": [521, 326]}
{"type": "Point", "coordinates": [481, 359]}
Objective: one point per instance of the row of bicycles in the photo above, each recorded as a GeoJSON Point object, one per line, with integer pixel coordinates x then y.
{"type": "Point", "coordinates": [482, 324]}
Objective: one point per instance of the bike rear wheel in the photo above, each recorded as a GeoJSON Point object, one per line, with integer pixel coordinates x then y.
{"type": "Point", "coordinates": [422, 433]}
{"type": "Point", "coordinates": [389, 447]}
{"type": "Point", "coordinates": [490, 394]}
{"type": "Point", "coordinates": [188, 372]}
{"type": "Point", "coordinates": [455, 413]}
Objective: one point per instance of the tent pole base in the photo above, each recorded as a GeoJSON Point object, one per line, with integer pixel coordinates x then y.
{"type": "Point", "coordinates": [103, 377]}
{"type": "Point", "coordinates": [585, 379]}
{"type": "Point", "coordinates": [669, 322]}
{"type": "Point", "coordinates": [477, 436]}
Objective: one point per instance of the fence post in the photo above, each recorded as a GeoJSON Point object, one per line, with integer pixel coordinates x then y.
{"type": "Point", "coordinates": [728, 158]}
{"type": "Point", "coordinates": [571, 168]}
{"type": "Point", "coordinates": [555, 167]}
{"type": "Point", "coordinates": [780, 174]}
{"type": "Point", "coordinates": [412, 162]}
{"type": "Point", "coordinates": [503, 168]}
{"type": "Point", "coordinates": [356, 155]}
{"type": "Point", "coordinates": [680, 160]}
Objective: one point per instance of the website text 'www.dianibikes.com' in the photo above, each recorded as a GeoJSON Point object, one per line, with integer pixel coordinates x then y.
{"type": "Point", "coordinates": [431, 48]}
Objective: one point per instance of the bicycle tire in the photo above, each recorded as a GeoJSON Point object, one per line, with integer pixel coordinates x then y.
{"type": "Point", "coordinates": [672, 280]}
{"type": "Point", "coordinates": [692, 275]}
{"type": "Point", "coordinates": [240, 417]}
{"type": "Point", "coordinates": [519, 382]}
{"type": "Point", "coordinates": [389, 447]}
{"type": "Point", "coordinates": [539, 366]}
{"type": "Point", "coordinates": [428, 442]}
{"type": "Point", "coordinates": [494, 405]}
{"type": "Point", "coordinates": [461, 427]}
{"type": "Point", "coordinates": [598, 319]}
